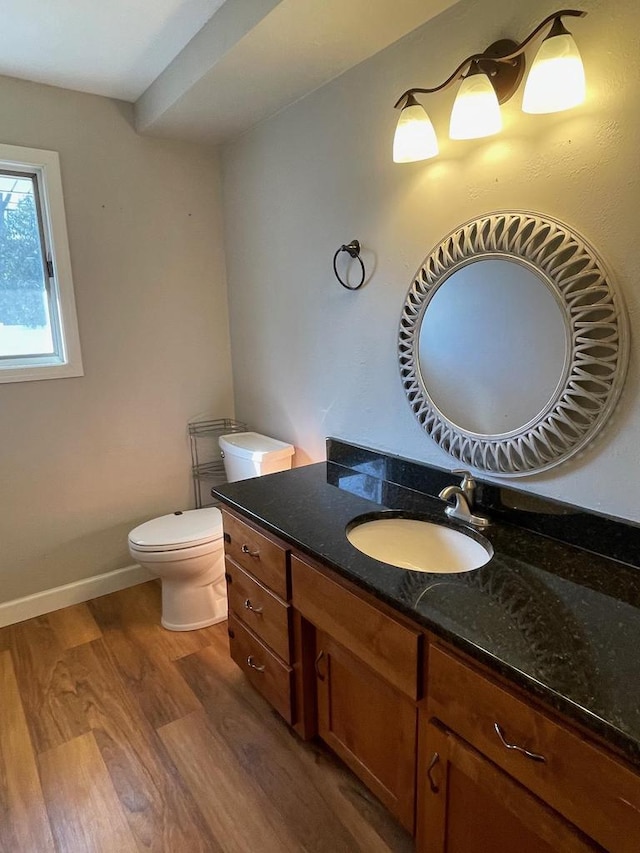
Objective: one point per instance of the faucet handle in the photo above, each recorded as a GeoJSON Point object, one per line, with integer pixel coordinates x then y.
{"type": "Point", "coordinates": [468, 484]}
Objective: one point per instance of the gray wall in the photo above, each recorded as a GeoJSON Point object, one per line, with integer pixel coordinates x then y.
{"type": "Point", "coordinates": [311, 359]}
{"type": "Point", "coordinates": [84, 460]}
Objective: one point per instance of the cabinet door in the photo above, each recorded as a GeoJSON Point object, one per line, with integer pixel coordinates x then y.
{"type": "Point", "coordinates": [467, 805]}
{"type": "Point", "coordinates": [369, 724]}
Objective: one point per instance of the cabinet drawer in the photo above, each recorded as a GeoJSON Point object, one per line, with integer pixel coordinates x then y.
{"type": "Point", "coordinates": [256, 553]}
{"type": "Point", "coordinates": [590, 788]}
{"type": "Point", "coordinates": [260, 609]}
{"type": "Point", "coordinates": [264, 670]}
{"type": "Point", "coordinates": [387, 646]}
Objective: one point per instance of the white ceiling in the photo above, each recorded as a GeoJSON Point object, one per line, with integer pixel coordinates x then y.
{"type": "Point", "coordinates": [204, 70]}
{"type": "Point", "coordinates": [109, 47]}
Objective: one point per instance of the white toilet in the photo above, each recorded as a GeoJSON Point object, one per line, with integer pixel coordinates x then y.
{"type": "Point", "coordinates": [186, 550]}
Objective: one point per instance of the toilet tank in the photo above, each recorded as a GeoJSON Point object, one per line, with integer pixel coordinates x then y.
{"type": "Point", "coordinates": [249, 454]}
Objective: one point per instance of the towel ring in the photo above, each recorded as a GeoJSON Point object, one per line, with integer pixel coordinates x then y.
{"type": "Point", "coordinates": [353, 249]}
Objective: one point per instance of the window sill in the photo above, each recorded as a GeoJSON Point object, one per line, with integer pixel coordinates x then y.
{"type": "Point", "coordinates": [44, 371]}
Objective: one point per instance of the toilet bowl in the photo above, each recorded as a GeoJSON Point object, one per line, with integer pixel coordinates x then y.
{"type": "Point", "coordinates": [186, 549]}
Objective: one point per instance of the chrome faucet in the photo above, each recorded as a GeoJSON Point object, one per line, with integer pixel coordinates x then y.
{"type": "Point", "coordinates": [464, 495]}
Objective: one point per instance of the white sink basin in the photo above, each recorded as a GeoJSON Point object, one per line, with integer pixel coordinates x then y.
{"type": "Point", "coordinates": [418, 545]}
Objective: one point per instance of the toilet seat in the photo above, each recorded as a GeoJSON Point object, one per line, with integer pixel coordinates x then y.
{"type": "Point", "coordinates": [179, 531]}
{"type": "Point", "coordinates": [177, 555]}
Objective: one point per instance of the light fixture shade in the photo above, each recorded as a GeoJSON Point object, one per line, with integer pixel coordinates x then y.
{"type": "Point", "coordinates": [556, 80]}
{"type": "Point", "coordinates": [476, 111]}
{"type": "Point", "coordinates": [415, 137]}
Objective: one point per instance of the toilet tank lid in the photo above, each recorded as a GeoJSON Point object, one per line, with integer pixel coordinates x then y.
{"type": "Point", "coordinates": [252, 445]}
{"type": "Point", "coordinates": [191, 527]}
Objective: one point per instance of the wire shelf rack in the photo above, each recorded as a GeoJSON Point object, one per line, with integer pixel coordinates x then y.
{"type": "Point", "coordinates": [207, 467]}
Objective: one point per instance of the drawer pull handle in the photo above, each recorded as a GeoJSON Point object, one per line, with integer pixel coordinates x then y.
{"type": "Point", "coordinates": [258, 667]}
{"type": "Point", "coordinates": [246, 550]}
{"type": "Point", "coordinates": [249, 606]}
{"type": "Point", "coordinates": [432, 784]}
{"type": "Point", "coordinates": [317, 665]}
{"type": "Point", "coordinates": [534, 756]}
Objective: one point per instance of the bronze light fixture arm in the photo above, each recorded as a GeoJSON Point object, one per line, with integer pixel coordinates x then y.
{"type": "Point", "coordinates": [556, 16]}
{"type": "Point", "coordinates": [503, 51]}
{"type": "Point", "coordinates": [405, 96]}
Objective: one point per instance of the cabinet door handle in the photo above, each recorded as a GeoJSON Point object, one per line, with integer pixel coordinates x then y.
{"type": "Point", "coordinates": [249, 606]}
{"type": "Point", "coordinates": [534, 756]}
{"type": "Point", "coordinates": [317, 665]}
{"type": "Point", "coordinates": [246, 550]}
{"type": "Point", "coordinates": [432, 783]}
{"type": "Point", "coordinates": [258, 667]}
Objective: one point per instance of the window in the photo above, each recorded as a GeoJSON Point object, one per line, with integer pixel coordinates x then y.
{"type": "Point", "coordinates": [38, 327]}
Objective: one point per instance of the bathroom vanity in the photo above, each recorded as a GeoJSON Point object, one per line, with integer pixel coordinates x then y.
{"type": "Point", "coordinates": [497, 709]}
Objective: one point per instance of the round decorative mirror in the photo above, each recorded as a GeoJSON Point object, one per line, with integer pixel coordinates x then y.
{"type": "Point", "coordinates": [513, 343]}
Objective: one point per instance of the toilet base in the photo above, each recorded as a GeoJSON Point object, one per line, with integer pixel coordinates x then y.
{"type": "Point", "coordinates": [194, 626]}
{"type": "Point", "coordinates": [188, 606]}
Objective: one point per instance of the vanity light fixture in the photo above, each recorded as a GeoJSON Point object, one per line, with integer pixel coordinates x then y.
{"type": "Point", "coordinates": [554, 83]}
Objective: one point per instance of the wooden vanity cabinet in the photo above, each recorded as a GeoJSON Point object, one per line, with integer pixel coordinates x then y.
{"type": "Point", "coordinates": [447, 745]}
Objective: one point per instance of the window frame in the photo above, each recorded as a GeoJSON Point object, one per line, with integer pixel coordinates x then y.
{"type": "Point", "coordinates": [67, 360]}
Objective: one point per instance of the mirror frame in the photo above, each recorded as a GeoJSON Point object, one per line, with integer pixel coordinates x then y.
{"type": "Point", "coordinates": [597, 357]}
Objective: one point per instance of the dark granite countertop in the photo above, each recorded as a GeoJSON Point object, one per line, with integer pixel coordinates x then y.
{"type": "Point", "coordinates": [562, 622]}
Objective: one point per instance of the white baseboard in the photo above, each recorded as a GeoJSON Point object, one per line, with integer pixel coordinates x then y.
{"type": "Point", "coordinates": [71, 593]}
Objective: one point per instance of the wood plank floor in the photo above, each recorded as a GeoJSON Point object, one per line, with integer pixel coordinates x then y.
{"type": "Point", "coordinates": [118, 736]}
